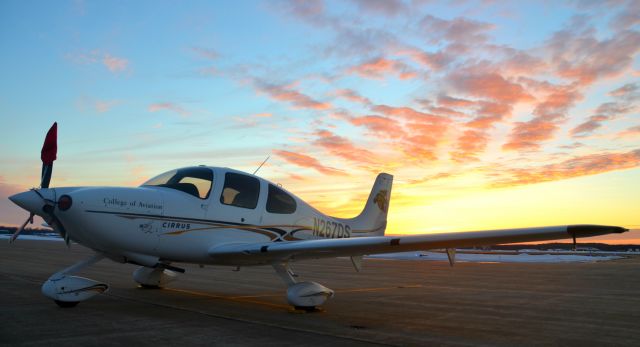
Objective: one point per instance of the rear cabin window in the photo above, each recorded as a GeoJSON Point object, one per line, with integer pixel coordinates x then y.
{"type": "Point", "coordinates": [240, 190]}
{"type": "Point", "coordinates": [196, 181]}
{"type": "Point", "coordinates": [279, 201]}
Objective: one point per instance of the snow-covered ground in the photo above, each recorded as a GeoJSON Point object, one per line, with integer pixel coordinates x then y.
{"type": "Point", "coordinates": [496, 258]}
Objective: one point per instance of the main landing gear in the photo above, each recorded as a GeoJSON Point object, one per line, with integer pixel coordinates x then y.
{"type": "Point", "coordinates": [302, 295]}
{"type": "Point", "coordinates": [68, 291]}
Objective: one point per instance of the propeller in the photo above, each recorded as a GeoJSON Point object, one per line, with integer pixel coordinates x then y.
{"type": "Point", "coordinates": [48, 155]}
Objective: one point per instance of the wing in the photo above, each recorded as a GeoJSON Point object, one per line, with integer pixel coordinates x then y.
{"type": "Point", "coordinates": [268, 252]}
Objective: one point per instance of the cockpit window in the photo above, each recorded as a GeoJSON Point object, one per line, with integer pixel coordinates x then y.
{"type": "Point", "coordinates": [279, 201]}
{"type": "Point", "coordinates": [240, 190]}
{"type": "Point", "coordinates": [196, 181]}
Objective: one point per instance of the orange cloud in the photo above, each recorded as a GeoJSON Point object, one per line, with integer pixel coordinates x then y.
{"type": "Point", "coordinates": [489, 85]}
{"type": "Point", "coordinates": [306, 161]}
{"type": "Point", "coordinates": [353, 96]}
{"type": "Point", "coordinates": [343, 148]}
{"type": "Point", "coordinates": [168, 106]}
{"type": "Point", "coordinates": [630, 132]}
{"type": "Point", "coordinates": [448, 101]}
{"type": "Point", "coordinates": [548, 114]}
{"type": "Point", "coordinates": [288, 94]}
{"type": "Point", "coordinates": [579, 166]}
{"type": "Point", "coordinates": [377, 68]}
{"type": "Point", "coordinates": [379, 125]}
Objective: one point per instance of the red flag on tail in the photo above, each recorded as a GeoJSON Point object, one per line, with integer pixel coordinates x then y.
{"type": "Point", "coordinates": [50, 146]}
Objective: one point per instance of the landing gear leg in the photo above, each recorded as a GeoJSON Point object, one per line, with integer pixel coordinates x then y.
{"type": "Point", "coordinates": [68, 291]}
{"type": "Point", "coordinates": [302, 295]}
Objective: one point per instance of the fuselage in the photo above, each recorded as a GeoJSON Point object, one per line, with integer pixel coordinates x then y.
{"type": "Point", "coordinates": [182, 214]}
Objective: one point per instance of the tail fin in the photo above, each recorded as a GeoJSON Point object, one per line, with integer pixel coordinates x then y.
{"type": "Point", "coordinates": [372, 221]}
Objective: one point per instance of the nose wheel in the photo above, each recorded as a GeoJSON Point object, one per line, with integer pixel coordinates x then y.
{"type": "Point", "coordinates": [68, 291]}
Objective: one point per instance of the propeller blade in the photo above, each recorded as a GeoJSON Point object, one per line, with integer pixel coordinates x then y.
{"type": "Point", "coordinates": [15, 235]}
{"type": "Point", "coordinates": [48, 154]}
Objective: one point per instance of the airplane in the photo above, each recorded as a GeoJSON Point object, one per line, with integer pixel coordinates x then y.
{"type": "Point", "coordinates": [219, 216]}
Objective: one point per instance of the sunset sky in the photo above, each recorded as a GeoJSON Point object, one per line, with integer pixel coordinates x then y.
{"type": "Point", "coordinates": [489, 114]}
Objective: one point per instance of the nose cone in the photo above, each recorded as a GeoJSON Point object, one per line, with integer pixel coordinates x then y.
{"type": "Point", "coordinates": [28, 200]}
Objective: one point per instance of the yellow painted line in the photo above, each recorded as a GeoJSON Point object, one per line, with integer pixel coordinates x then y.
{"type": "Point", "coordinates": [246, 299]}
{"type": "Point", "coordinates": [356, 290]}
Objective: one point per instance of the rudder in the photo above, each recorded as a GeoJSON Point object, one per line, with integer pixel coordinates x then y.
{"type": "Point", "coordinates": [372, 221]}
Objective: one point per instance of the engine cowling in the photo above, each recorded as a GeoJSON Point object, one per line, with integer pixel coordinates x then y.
{"type": "Point", "coordinates": [308, 294]}
{"type": "Point", "coordinates": [154, 277]}
{"type": "Point", "coordinates": [72, 289]}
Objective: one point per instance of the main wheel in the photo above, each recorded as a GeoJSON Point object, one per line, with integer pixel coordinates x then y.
{"type": "Point", "coordinates": [66, 304]}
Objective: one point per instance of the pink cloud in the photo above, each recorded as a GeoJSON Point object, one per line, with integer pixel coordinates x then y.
{"type": "Point", "coordinates": [633, 131]}
{"type": "Point", "coordinates": [112, 63]}
{"type": "Point", "coordinates": [290, 95]}
{"type": "Point", "coordinates": [457, 30]}
{"type": "Point", "coordinates": [449, 101]}
{"type": "Point", "coordinates": [489, 85]}
{"type": "Point", "coordinates": [579, 56]}
{"type": "Point", "coordinates": [378, 68]}
{"type": "Point", "coordinates": [342, 147]}
{"type": "Point", "coordinates": [379, 125]}
{"type": "Point", "coordinates": [115, 64]}
{"type": "Point", "coordinates": [548, 114]}
{"type": "Point", "coordinates": [352, 96]}
{"type": "Point", "coordinates": [579, 166]}
{"type": "Point", "coordinates": [306, 161]}
{"type": "Point", "coordinates": [384, 7]}
{"type": "Point", "coordinates": [168, 106]}
{"type": "Point", "coordinates": [103, 106]}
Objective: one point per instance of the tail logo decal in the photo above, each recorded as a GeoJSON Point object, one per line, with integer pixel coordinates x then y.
{"type": "Point", "coordinates": [382, 200]}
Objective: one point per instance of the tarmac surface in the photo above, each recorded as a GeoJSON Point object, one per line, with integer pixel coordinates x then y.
{"type": "Point", "coordinates": [391, 302]}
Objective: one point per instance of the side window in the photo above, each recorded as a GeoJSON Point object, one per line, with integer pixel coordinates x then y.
{"type": "Point", "coordinates": [240, 190]}
{"type": "Point", "coordinates": [279, 201]}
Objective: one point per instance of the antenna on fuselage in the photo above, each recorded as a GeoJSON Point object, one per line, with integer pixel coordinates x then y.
{"type": "Point", "coordinates": [262, 164]}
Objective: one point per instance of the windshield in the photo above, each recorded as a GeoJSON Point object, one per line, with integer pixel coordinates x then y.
{"type": "Point", "coordinates": [196, 181]}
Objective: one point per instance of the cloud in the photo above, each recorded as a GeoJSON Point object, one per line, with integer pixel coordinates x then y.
{"type": "Point", "coordinates": [288, 94]}
{"type": "Point", "coordinates": [379, 125]}
{"type": "Point", "coordinates": [388, 8]}
{"type": "Point", "coordinates": [103, 106]}
{"type": "Point", "coordinates": [114, 64]}
{"type": "Point", "coordinates": [306, 161]}
{"type": "Point", "coordinates": [168, 106]}
{"type": "Point", "coordinates": [548, 114]}
{"type": "Point", "coordinates": [579, 166]}
{"type": "Point", "coordinates": [205, 53]}
{"type": "Point", "coordinates": [579, 56]}
{"type": "Point", "coordinates": [448, 101]}
{"type": "Point", "coordinates": [633, 131]}
{"type": "Point", "coordinates": [343, 148]}
{"type": "Point", "coordinates": [378, 68]}
{"type": "Point", "coordinates": [625, 96]}
{"type": "Point", "coordinates": [457, 30]}
{"type": "Point", "coordinates": [353, 96]}
{"type": "Point", "coordinates": [436, 61]}
{"type": "Point", "coordinates": [627, 91]}
{"type": "Point", "coordinates": [489, 85]}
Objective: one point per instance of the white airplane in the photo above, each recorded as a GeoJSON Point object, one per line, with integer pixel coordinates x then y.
{"type": "Point", "coordinates": [219, 216]}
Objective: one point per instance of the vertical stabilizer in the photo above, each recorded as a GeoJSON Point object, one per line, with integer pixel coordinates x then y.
{"type": "Point", "coordinates": [372, 221]}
